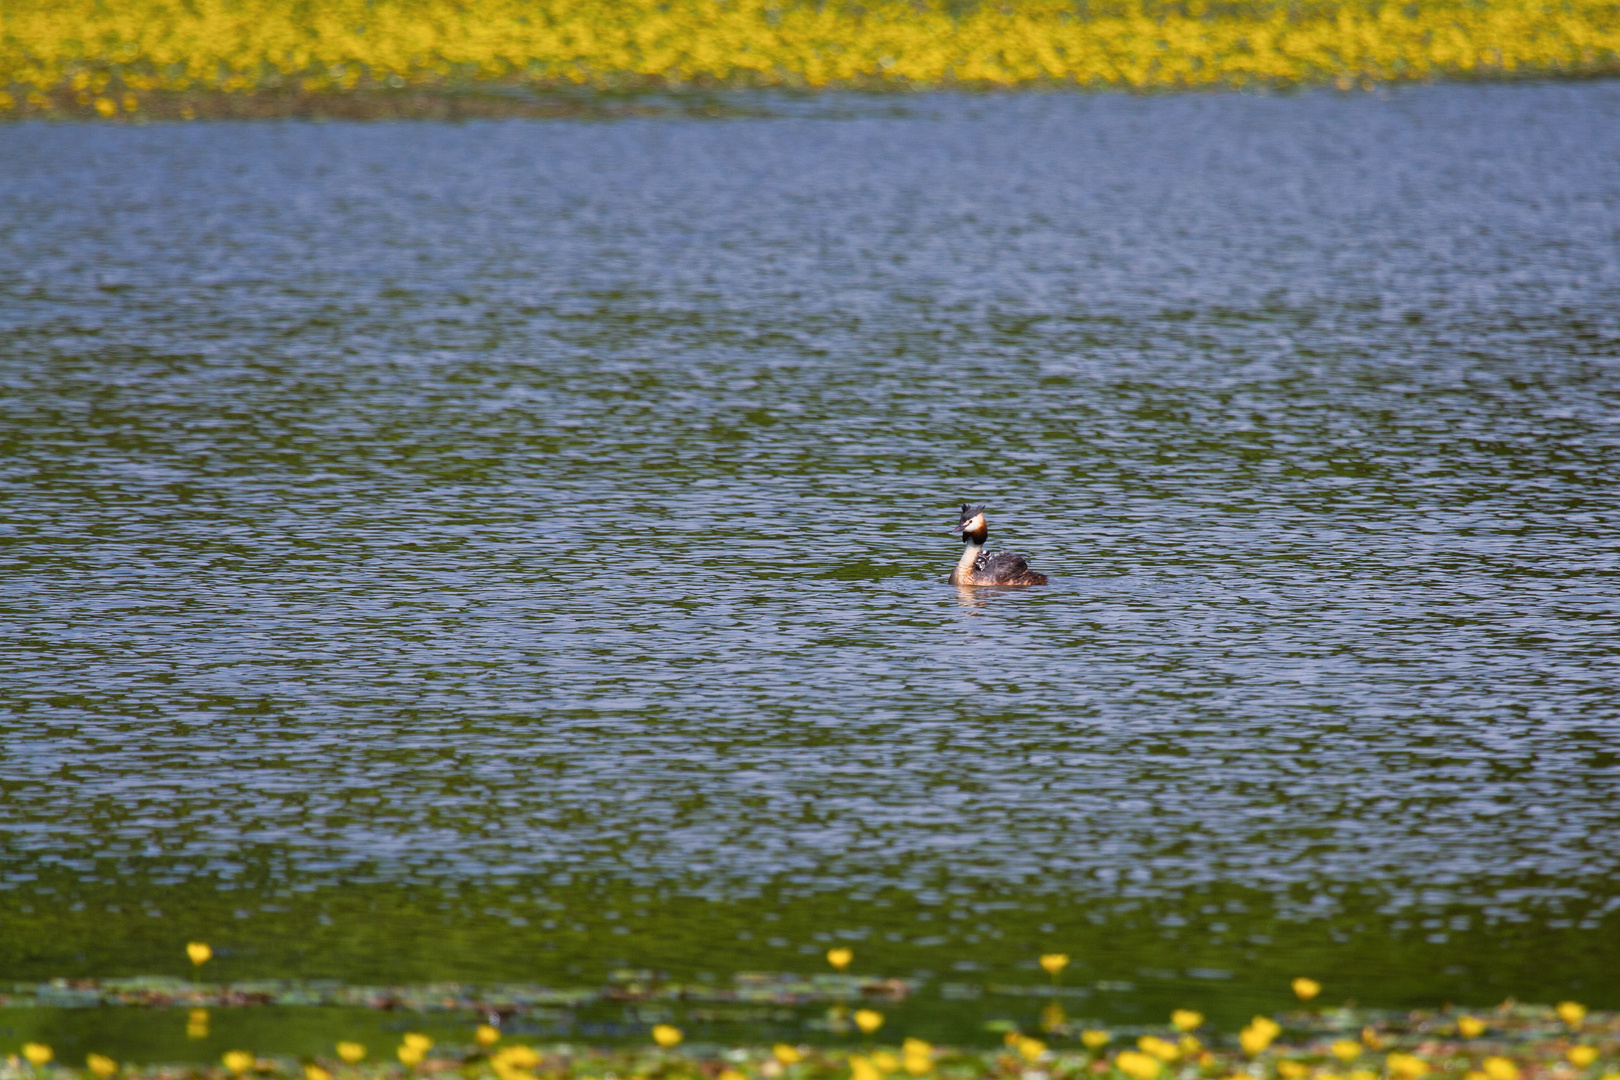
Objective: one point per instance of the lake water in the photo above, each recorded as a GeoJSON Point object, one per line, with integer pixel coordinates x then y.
{"type": "Point", "coordinates": [514, 551]}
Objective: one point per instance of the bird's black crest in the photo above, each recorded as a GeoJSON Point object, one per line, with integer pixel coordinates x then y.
{"type": "Point", "coordinates": [970, 512]}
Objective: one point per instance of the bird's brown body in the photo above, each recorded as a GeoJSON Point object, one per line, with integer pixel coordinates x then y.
{"type": "Point", "coordinates": [979, 567]}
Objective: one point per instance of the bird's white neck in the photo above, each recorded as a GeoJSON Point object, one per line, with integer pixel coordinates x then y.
{"type": "Point", "coordinates": [970, 552]}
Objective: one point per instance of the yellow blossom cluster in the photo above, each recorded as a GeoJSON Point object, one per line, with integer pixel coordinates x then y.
{"type": "Point", "coordinates": [1590, 1043]}
{"type": "Point", "coordinates": [91, 50]}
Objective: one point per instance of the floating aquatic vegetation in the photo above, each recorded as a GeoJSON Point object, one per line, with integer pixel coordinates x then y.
{"type": "Point", "coordinates": [1532, 1042]}
{"type": "Point", "coordinates": [174, 58]}
{"type": "Point", "coordinates": [757, 988]}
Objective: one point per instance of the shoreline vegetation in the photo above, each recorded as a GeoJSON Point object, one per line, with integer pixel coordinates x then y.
{"type": "Point", "coordinates": [449, 59]}
{"type": "Point", "coordinates": [1510, 1042]}
{"type": "Point", "coordinates": [501, 999]}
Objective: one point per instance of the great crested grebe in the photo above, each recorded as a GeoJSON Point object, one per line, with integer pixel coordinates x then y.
{"type": "Point", "coordinates": [976, 567]}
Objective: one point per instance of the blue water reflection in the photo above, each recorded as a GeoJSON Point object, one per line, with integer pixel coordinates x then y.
{"type": "Point", "coordinates": [563, 508]}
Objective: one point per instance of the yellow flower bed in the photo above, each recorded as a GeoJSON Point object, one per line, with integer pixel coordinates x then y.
{"type": "Point", "coordinates": [1511, 1042]}
{"type": "Point", "coordinates": [110, 53]}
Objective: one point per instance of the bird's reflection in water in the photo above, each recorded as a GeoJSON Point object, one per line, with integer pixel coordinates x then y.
{"type": "Point", "coordinates": [971, 598]}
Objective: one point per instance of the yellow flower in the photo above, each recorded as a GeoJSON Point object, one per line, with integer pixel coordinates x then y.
{"type": "Point", "coordinates": [410, 1055]}
{"type": "Point", "coordinates": [1470, 1027]}
{"type": "Point", "coordinates": [885, 1062]}
{"type": "Point", "coordinates": [37, 1053]}
{"type": "Point", "coordinates": [1582, 1056]}
{"type": "Point", "coordinates": [313, 1071]}
{"type": "Point", "coordinates": [1138, 1066]}
{"type": "Point", "coordinates": [1410, 1067]}
{"type": "Point", "coordinates": [1189, 1045]}
{"type": "Point", "coordinates": [238, 1061]}
{"type": "Point", "coordinates": [868, 1020]}
{"type": "Point", "coordinates": [351, 1052]}
{"type": "Point", "coordinates": [1362, 1074]}
{"type": "Point", "coordinates": [1307, 988]}
{"type": "Point", "coordinates": [839, 958]}
{"type": "Point", "coordinates": [787, 1055]}
{"type": "Point", "coordinates": [1258, 1035]}
{"type": "Point", "coordinates": [1159, 1048]}
{"type": "Point", "coordinates": [1293, 1070]}
{"type": "Point", "coordinates": [732, 1074]}
{"type": "Point", "coordinates": [1371, 1038]}
{"type": "Point", "coordinates": [1186, 1019]}
{"type": "Point", "coordinates": [1500, 1068]}
{"type": "Point", "coordinates": [666, 1035]}
{"type": "Point", "coordinates": [919, 1057]}
{"type": "Point", "coordinates": [197, 1024]}
{"type": "Point", "coordinates": [200, 954]}
{"type": "Point", "coordinates": [100, 1064]}
{"type": "Point", "coordinates": [506, 1070]}
{"type": "Point", "coordinates": [1475, 1074]}
{"type": "Point", "coordinates": [1346, 1050]}
{"type": "Point", "coordinates": [487, 1034]}
{"type": "Point", "coordinates": [1054, 962]}
{"type": "Point", "coordinates": [1135, 46]}
{"type": "Point", "coordinates": [517, 1056]}
{"type": "Point", "coordinates": [1095, 1039]}
{"type": "Point", "coordinates": [417, 1041]}
{"type": "Point", "coordinates": [862, 1069]}
{"type": "Point", "coordinates": [1030, 1049]}
{"type": "Point", "coordinates": [1571, 1013]}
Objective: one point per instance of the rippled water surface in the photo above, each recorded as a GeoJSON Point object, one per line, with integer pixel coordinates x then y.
{"type": "Point", "coordinates": [510, 550]}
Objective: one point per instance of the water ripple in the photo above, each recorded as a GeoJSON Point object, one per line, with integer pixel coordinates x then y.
{"type": "Point", "coordinates": [434, 504]}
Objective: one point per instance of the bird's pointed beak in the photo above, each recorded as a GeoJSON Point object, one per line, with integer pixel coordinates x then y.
{"type": "Point", "coordinates": [958, 530]}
